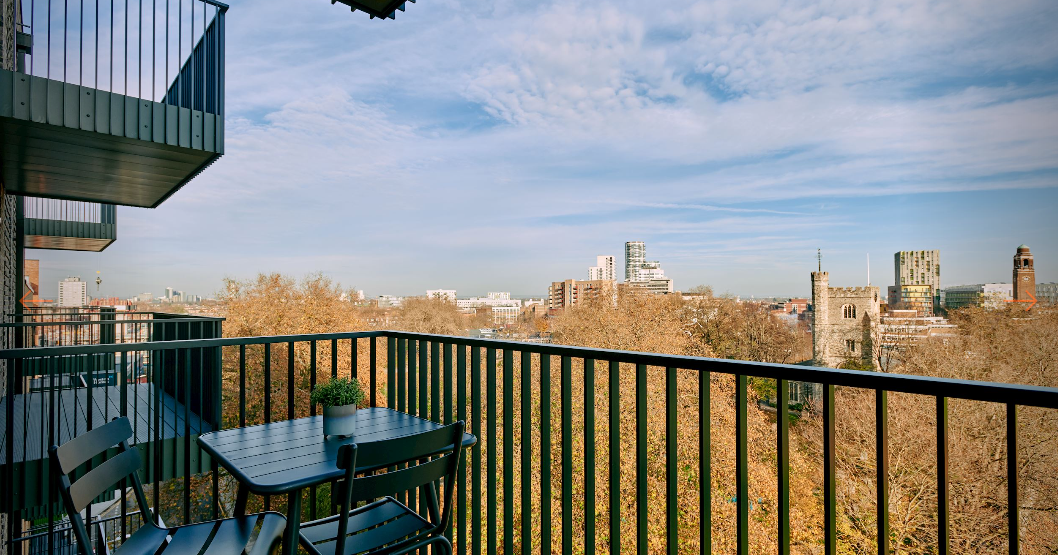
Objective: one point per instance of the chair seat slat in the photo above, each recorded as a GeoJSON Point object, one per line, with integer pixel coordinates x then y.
{"type": "Point", "coordinates": [327, 528]}
{"type": "Point", "coordinates": [189, 540]}
{"type": "Point", "coordinates": [376, 538]}
{"type": "Point", "coordinates": [232, 535]}
{"type": "Point", "coordinates": [144, 541]}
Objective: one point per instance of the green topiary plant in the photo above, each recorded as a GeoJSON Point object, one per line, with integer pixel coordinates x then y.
{"type": "Point", "coordinates": [337, 392]}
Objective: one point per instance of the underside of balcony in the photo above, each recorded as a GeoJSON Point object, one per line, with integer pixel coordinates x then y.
{"type": "Point", "coordinates": [69, 225]}
{"type": "Point", "coordinates": [65, 141]}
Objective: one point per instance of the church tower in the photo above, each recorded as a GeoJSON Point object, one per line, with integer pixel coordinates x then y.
{"type": "Point", "coordinates": [1024, 275]}
{"type": "Point", "coordinates": [820, 316]}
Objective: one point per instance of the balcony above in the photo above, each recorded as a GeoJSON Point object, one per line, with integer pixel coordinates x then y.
{"type": "Point", "coordinates": [126, 121]}
{"type": "Point", "coordinates": [382, 9]}
{"type": "Point", "coordinates": [69, 225]}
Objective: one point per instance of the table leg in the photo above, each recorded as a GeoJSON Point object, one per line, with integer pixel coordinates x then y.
{"type": "Point", "coordinates": [240, 500]}
{"type": "Point", "coordinates": [290, 535]}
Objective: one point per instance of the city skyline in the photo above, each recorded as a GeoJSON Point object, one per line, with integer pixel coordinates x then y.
{"type": "Point", "coordinates": [508, 142]}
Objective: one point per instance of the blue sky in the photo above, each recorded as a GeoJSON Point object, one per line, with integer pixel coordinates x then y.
{"type": "Point", "coordinates": [502, 145]}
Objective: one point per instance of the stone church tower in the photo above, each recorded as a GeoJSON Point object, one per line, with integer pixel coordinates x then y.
{"type": "Point", "coordinates": [844, 322]}
{"type": "Point", "coordinates": [1024, 275]}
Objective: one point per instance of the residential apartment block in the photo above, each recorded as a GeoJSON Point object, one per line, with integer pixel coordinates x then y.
{"type": "Point", "coordinates": [605, 269]}
{"type": "Point", "coordinates": [914, 271]}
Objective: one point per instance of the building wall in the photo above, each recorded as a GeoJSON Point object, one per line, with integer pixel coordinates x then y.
{"type": "Point", "coordinates": [917, 268]}
{"type": "Point", "coordinates": [1047, 293]}
{"type": "Point", "coordinates": [988, 295]}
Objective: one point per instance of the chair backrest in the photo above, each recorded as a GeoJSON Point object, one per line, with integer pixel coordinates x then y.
{"type": "Point", "coordinates": [77, 494]}
{"type": "Point", "coordinates": [414, 461]}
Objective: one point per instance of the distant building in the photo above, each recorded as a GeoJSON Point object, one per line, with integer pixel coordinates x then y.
{"type": "Point", "coordinates": [914, 270]}
{"type": "Point", "coordinates": [844, 321]}
{"type": "Point", "coordinates": [1024, 275]}
{"type": "Point", "coordinates": [73, 292]}
{"type": "Point", "coordinates": [389, 301]}
{"type": "Point", "coordinates": [144, 298]}
{"type": "Point", "coordinates": [640, 272]}
{"type": "Point", "coordinates": [569, 293]}
{"type": "Point", "coordinates": [168, 292]}
{"type": "Point", "coordinates": [920, 298]}
{"type": "Point", "coordinates": [987, 295]}
{"type": "Point", "coordinates": [447, 295]}
{"type": "Point", "coordinates": [605, 269]}
{"type": "Point", "coordinates": [1047, 292]}
{"type": "Point", "coordinates": [31, 269]}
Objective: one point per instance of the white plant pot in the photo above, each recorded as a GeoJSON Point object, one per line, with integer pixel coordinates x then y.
{"type": "Point", "coordinates": [339, 421]}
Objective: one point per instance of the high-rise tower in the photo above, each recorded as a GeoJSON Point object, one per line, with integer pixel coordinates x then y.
{"type": "Point", "coordinates": [635, 257]}
{"type": "Point", "coordinates": [1024, 275]}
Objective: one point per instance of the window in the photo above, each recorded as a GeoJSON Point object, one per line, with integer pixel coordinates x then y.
{"type": "Point", "coordinates": [848, 311]}
{"type": "Point", "coordinates": [850, 345]}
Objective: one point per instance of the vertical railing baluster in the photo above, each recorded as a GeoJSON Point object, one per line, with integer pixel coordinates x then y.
{"type": "Point", "coordinates": [943, 525]}
{"type": "Point", "coordinates": [290, 381]}
{"type": "Point", "coordinates": [642, 492]}
{"type": "Point", "coordinates": [187, 436]}
{"type": "Point", "coordinates": [354, 359]}
{"type": "Point", "coordinates": [490, 459]}
{"type": "Point", "coordinates": [435, 381]}
{"type": "Point", "coordinates": [615, 457]}
{"type": "Point", "coordinates": [508, 451]}
{"type": "Point", "coordinates": [334, 359]}
{"type": "Point", "coordinates": [312, 412]}
{"type": "Point", "coordinates": [475, 452]}
{"type": "Point", "coordinates": [527, 453]}
{"type": "Point", "coordinates": [545, 454]}
{"type": "Point", "coordinates": [741, 466]}
{"type": "Point", "coordinates": [567, 454]}
{"type": "Point", "coordinates": [881, 433]}
{"type": "Point", "coordinates": [402, 370]}
{"type": "Point", "coordinates": [461, 414]}
{"type": "Point", "coordinates": [1013, 522]}
{"type": "Point", "coordinates": [423, 396]}
{"type": "Point", "coordinates": [391, 371]}
{"type": "Point", "coordinates": [413, 380]}
{"type": "Point", "coordinates": [446, 350]}
{"type": "Point", "coordinates": [672, 520]}
{"type": "Point", "coordinates": [830, 533]}
{"type": "Point", "coordinates": [373, 365]}
{"type": "Point", "coordinates": [242, 386]}
{"type": "Point", "coordinates": [267, 399]}
{"type": "Point", "coordinates": [705, 472]}
{"type": "Point", "coordinates": [589, 456]}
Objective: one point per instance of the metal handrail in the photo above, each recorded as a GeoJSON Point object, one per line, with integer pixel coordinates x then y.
{"type": "Point", "coordinates": [1025, 395]}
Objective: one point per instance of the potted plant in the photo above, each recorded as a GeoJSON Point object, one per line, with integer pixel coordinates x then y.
{"type": "Point", "coordinates": [339, 398]}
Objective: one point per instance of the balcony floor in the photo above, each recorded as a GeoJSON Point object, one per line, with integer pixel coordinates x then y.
{"type": "Point", "coordinates": [31, 411]}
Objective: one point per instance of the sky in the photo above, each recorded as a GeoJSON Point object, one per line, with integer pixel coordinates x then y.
{"type": "Point", "coordinates": [499, 145]}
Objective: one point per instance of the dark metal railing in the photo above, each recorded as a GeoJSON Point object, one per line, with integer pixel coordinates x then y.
{"type": "Point", "coordinates": [557, 397]}
{"type": "Point", "coordinates": [64, 326]}
{"type": "Point", "coordinates": [69, 211]}
{"type": "Point", "coordinates": [168, 51]}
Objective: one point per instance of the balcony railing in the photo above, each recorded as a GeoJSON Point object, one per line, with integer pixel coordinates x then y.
{"type": "Point", "coordinates": [570, 457]}
{"type": "Point", "coordinates": [113, 102]}
{"type": "Point", "coordinates": [66, 326]}
{"type": "Point", "coordinates": [68, 225]}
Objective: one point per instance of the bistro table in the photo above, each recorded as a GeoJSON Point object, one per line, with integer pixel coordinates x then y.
{"type": "Point", "coordinates": [287, 456]}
